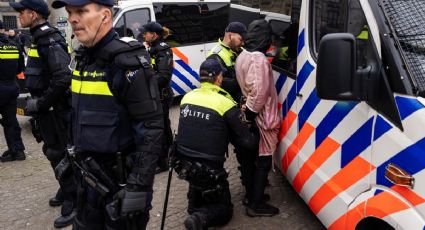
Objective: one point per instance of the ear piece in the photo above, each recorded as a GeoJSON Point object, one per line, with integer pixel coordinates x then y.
{"type": "Point", "coordinates": [104, 17]}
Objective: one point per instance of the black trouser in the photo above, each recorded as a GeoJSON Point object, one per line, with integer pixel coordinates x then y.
{"type": "Point", "coordinates": [264, 164]}
{"type": "Point", "coordinates": [91, 208]}
{"type": "Point", "coordinates": [209, 198]}
{"type": "Point", "coordinates": [217, 209]}
{"type": "Point", "coordinates": [8, 102]}
{"type": "Point", "coordinates": [53, 128]}
{"type": "Point", "coordinates": [166, 103]}
{"type": "Point", "coordinates": [247, 166]}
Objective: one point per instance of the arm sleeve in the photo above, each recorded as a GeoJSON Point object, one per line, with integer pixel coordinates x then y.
{"type": "Point", "coordinates": [164, 62]}
{"type": "Point", "coordinates": [240, 133]}
{"type": "Point", "coordinates": [21, 60]}
{"type": "Point", "coordinates": [258, 75]}
{"type": "Point", "coordinates": [57, 61]}
{"type": "Point", "coordinates": [147, 133]}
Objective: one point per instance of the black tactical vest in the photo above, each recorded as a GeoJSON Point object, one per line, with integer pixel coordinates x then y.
{"type": "Point", "coordinates": [36, 71]}
{"type": "Point", "coordinates": [101, 118]}
{"type": "Point", "coordinates": [9, 58]}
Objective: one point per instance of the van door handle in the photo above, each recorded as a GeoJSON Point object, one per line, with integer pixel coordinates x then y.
{"type": "Point", "coordinates": [202, 50]}
{"type": "Point", "coordinates": [399, 176]}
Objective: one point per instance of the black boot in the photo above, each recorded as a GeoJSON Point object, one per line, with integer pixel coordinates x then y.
{"type": "Point", "coordinates": [8, 155]}
{"type": "Point", "coordinates": [245, 201]}
{"type": "Point", "coordinates": [257, 206]}
{"type": "Point", "coordinates": [261, 209]}
{"type": "Point", "coordinates": [19, 155]}
{"type": "Point", "coordinates": [196, 221]}
{"type": "Point", "coordinates": [64, 220]}
{"type": "Point", "coordinates": [57, 200]}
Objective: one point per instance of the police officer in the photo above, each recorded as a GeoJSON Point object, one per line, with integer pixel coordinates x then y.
{"type": "Point", "coordinates": [226, 51]}
{"type": "Point", "coordinates": [117, 121]}
{"type": "Point", "coordinates": [162, 62]}
{"type": "Point", "coordinates": [209, 118]}
{"type": "Point", "coordinates": [48, 80]}
{"type": "Point", "coordinates": [11, 63]}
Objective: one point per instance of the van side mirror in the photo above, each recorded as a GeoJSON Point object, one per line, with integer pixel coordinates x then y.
{"type": "Point", "coordinates": [336, 77]}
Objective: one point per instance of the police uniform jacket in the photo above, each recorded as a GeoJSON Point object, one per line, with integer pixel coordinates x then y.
{"type": "Point", "coordinates": [116, 105]}
{"type": "Point", "coordinates": [209, 119]}
{"type": "Point", "coordinates": [227, 59]}
{"type": "Point", "coordinates": [48, 76]}
{"type": "Point", "coordinates": [162, 62]}
{"type": "Point", "coordinates": [11, 59]}
{"type": "Point", "coordinates": [11, 63]}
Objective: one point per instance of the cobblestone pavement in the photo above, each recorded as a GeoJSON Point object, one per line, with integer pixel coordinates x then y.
{"type": "Point", "coordinates": [26, 186]}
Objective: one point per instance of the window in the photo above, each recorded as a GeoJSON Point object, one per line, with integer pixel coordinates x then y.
{"type": "Point", "coordinates": [192, 23]}
{"type": "Point", "coordinates": [10, 22]}
{"type": "Point", "coordinates": [128, 25]}
{"type": "Point", "coordinates": [329, 16]}
{"type": "Point", "coordinates": [284, 43]}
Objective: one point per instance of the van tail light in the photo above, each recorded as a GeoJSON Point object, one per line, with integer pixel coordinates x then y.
{"type": "Point", "coordinates": [399, 176]}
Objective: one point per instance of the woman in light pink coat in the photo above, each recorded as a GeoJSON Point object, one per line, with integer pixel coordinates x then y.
{"type": "Point", "coordinates": [255, 77]}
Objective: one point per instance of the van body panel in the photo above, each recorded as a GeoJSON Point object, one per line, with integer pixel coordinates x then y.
{"type": "Point", "coordinates": [335, 153]}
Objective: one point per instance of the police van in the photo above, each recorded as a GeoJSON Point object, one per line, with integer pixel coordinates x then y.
{"type": "Point", "coordinates": [350, 75]}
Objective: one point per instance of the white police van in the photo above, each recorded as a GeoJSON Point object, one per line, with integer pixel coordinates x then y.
{"type": "Point", "coordinates": [351, 87]}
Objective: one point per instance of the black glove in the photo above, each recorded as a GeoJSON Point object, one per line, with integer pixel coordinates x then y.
{"type": "Point", "coordinates": [128, 203]}
{"type": "Point", "coordinates": [32, 106]}
{"type": "Point", "coordinates": [250, 115]}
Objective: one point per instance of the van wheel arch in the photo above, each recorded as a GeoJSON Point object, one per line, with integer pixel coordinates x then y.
{"type": "Point", "coordinates": [373, 223]}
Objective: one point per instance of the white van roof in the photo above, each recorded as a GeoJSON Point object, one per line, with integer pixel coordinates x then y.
{"type": "Point", "coordinates": [134, 3]}
{"type": "Point", "coordinates": [146, 2]}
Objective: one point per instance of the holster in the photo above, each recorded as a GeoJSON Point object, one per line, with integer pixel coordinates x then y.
{"type": "Point", "coordinates": [198, 174]}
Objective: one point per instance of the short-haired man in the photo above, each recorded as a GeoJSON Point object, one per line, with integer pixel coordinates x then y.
{"type": "Point", "coordinates": [117, 123]}
{"type": "Point", "coordinates": [226, 51]}
{"type": "Point", "coordinates": [209, 119]}
{"type": "Point", "coordinates": [48, 78]}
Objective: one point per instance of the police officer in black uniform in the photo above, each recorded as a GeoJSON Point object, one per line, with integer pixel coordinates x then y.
{"type": "Point", "coordinates": [209, 119]}
{"type": "Point", "coordinates": [226, 51]}
{"type": "Point", "coordinates": [11, 63]}
{"type": "Point", "coordinates": [117, 121]}
{"type": "Point", "coordinates": [48, 78]}
{"type": "Point", "coordinates": [162, 62]}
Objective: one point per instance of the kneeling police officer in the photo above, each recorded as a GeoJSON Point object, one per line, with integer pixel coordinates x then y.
{"type": "Point", "coordinates": [117, 121]}
{"type": "Point", "coordinates": [209, 118]}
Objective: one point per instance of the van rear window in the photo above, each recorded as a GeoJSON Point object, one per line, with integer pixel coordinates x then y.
{"type": "Point", "coordinates": [192, 23]}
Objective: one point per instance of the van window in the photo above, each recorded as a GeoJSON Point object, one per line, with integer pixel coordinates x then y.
{"type": "Point", "coordinates": [329, 16]}
{"type": "Point", "coordinates": [192, 23]}
{"type": "Point", "coordinates": [284, 43]}
{"type": "Point", "coordinates": [129, 24]}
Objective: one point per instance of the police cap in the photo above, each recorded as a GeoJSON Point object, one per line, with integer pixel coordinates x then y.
{"type": "Point", "coordinates": [237, 27]}
{"type": "Point", "coordinates": [152, 27]}
{"type": "Point", "coordinates": [61, 3]}
{"type": "Point", "coordinates": [212, 67]}
{"type": "Point", "coordinates": [39, 6]}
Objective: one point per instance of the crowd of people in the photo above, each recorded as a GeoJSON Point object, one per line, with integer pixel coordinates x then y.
{"type": "Point", "coordinates": [105, 123]}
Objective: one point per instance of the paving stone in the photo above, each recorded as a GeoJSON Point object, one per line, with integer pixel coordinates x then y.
{"type": "Point", "coordinates": [26, 186]}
